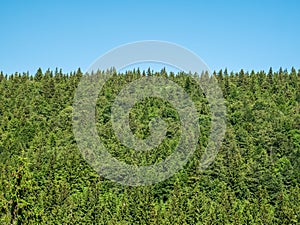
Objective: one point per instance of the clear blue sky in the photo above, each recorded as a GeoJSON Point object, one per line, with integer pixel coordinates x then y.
{"type": "Point", "coordinates": [71, 34]}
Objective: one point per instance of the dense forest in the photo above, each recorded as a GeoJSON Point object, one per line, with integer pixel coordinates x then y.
{"type": "Point", "coordinates": [254, 179]}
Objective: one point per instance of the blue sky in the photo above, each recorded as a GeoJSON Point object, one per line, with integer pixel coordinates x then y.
{"type": "Point", "coordinates": [70, 34]}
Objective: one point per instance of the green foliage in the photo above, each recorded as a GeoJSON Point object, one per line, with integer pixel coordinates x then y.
{"type": "Point", "coordinates": [254, 179]}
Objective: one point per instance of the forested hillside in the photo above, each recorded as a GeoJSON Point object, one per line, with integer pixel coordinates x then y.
{"type": "Point", "coordinates": [254, 179]}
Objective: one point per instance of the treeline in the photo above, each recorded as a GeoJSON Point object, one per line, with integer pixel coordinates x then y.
{"type": "Point", "coordinates": [254, 179]}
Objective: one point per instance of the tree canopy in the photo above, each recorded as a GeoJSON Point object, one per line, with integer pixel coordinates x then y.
{"type": "Point", "coordinates": [254, 179]}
